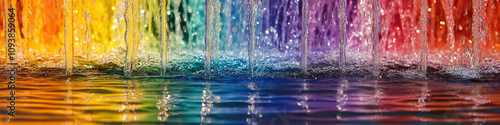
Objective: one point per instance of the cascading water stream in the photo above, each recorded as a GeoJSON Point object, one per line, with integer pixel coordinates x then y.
{"type": "Point", "coordinates": [423, 36]}
{"type": "Point", "coordinates": [375, 35]}
{"type": "Point", "coordinates": [216, 32]}
{"type": "Point", "coordinates": [450, 23]}
{"type": "Point", "coordinates": [284, 38]}
{"type": "Point", "coordinates": [251, 42]}
{"type": "Point", "coordinates": [342, 15]}
{"type": "Point", "coordinates": [131, 36]}
{"type": "Point", "coordinates": [68, 36]}
{"type": "Point", "coordinates": [163, 36]}
{"type": "Point", "coordinates": [127, 69]}
{"type": "Point", "coordinates": [303, 39]}
{"type": "Point", "coordinates": [477, 32]}
{"type": "Point", "coordinates": [88, 26]}
{"type": "Point", "coordinates": [208, 38]}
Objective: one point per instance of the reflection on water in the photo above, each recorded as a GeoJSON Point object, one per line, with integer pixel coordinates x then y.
{"type": "Point", "coordinates": [112, 99]}
{"type": "Point", "coordinates": [68, 101]}
{"type": "Point", "coordinates": [423, 96]}
{"type": "Point", "coordinates": [304, 98]}
{"type": "Point", "coordinates": [128, 106]}
{"type": "Point", "coordinates": [342, 97]}
{"type": "Point", "coordinates": [209, 98]}
{"type": "Point", "coordinates": [253, 110]}
{"type": "Point", "coordinates": [163, 104]}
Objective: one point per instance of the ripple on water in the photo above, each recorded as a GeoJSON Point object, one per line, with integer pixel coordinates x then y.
{"type": "Point", "coordinates": [101, 98]}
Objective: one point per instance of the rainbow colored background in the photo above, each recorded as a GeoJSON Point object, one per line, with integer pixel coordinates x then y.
{"type": "Point", "coordinates": [99, 30]}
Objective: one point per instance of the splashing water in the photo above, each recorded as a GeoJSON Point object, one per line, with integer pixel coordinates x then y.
{"type": "Point", "coordinates": [68, 35]}
{"type": "Point", "coordinates": [304, 35]}
{"type": "Point", "coordinates": [342, 35]}
{"type": "Point", "coordinates": [423, 36]}
{"type": "Point", "coordinates": [253, 61]}
{"type": "Point", "coordinates": [283, 38]}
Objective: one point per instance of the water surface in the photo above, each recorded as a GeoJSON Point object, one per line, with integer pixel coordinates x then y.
{"type": "Point", "coordinates": [113, 99]}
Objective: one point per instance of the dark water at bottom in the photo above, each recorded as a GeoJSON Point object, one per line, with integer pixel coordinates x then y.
{"type": "Point", "coordinates": [112, 99]}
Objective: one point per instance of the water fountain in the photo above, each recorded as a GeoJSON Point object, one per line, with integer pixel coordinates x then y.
{"type": "Point", "coordinates": [252, 61]}
{"type": "Point", "coordinates": [261, 38]}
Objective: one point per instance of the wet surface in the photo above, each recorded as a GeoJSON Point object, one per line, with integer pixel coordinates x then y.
{"type": "Point", "coordinates": [112, 99]}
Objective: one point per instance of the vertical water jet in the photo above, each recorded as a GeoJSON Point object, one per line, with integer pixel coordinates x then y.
{"type": "Point", "coordinates": [450, 23]}
{"type": "Point", "coordinates": [477, 32]}
{"type": "Point", "coordinates": [208, 37]}
{"type": "Point", "coordinates": [88, 24]}
{"type": "Point", "coordinates": [303, 39]}
{"type": "Point", "coordinates": [131, 36]}
{"type": "Point", "coordinates": [127, 67]}
{"type": "Point", "coordinates": [251, 42]}
{"type": "Point", "coordinates": [137, 37]}
{"type": "Point", "coordinates": [375, 35]}
{"type": "Point", "coordinates": [342, 15]}
{"type": "Point", "coordinates": [216, 32]}
{"type": "Point", "coordinates": [68, 36]}
{"type": "Point", "coordinates": [424, 20]}
{"type": "Point", "coordinates": [163, 36]}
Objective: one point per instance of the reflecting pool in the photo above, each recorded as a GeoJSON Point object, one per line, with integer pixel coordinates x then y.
{"type": "Point", "coordinates": [114, 99]}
